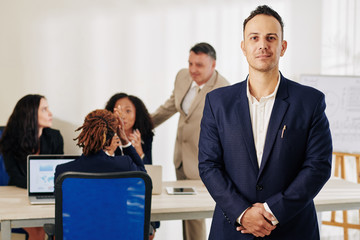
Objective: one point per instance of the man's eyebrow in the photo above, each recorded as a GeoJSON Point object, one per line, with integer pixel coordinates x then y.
{"type": "Point", "coordinates": [253, 33]}
{"type": "Point", "coordinates": [268, 34]}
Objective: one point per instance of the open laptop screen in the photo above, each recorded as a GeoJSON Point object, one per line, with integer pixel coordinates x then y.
{"type": "Point", "coordinates": [41, 169]}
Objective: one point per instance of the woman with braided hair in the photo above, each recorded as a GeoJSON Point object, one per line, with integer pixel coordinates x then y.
{"type": "Point", "coordinates": [101, 134]}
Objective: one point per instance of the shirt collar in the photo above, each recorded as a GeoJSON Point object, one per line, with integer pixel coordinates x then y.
{"type": "Point", "coordinates": [193, 84]}
{"type": "Point", "coordinates": [106, 152]}
{"type": "Point", "coordinates": [252, 99]}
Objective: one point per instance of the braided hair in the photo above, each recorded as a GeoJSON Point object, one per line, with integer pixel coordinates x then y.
{"type": "Point", "coordinates": [97, 131]}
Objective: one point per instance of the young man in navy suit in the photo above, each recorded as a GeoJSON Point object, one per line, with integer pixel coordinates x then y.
{"type": "Point", "coordinates": [265, 145]}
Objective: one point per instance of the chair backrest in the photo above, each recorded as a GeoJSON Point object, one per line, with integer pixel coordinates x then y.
{"type": "Point", "coordinates": [102, 205]}
{"type": "Point", "coordinates": [4, 177]}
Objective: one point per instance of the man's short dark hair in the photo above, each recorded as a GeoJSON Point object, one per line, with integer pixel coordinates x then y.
{"type": "Point", "coordinates": [204, 47]}
{"type": "Point", "coordinates": [266, 10]}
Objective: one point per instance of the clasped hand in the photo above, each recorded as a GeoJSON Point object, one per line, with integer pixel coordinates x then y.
{"type": "Point", "coordinates": [257, 221]}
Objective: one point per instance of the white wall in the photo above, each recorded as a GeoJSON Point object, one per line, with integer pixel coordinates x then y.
{"type": "Point", "coordinates": [79, 53]}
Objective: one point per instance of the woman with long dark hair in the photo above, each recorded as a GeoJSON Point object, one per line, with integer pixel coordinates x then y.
{"type": "Point", "coordinates": [138, 123]}
{"type": "Point", "coordinates": [28, 132]}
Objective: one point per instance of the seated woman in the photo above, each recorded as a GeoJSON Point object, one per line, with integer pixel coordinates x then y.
{"type": "Point", "coordinates": [137, 122]}
{"type": "Point", "coordinates": [138, 128]}
{"type": "Point", "coordinates": [101, 134]}
{"type": "Point", "coordinates": [28, 132]}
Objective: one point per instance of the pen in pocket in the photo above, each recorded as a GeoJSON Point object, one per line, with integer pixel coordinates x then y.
{"type": "Point", "coordinates": [283, 130]}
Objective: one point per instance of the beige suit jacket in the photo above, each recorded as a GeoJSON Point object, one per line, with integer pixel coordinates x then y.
{"type": "Point", "coordinates": [187, 139]}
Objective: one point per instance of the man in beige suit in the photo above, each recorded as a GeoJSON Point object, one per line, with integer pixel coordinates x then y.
{"type": "Point", "coordinates": [188, 98]}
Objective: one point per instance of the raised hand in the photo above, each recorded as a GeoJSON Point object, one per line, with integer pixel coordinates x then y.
{"type": "Point", "coordinates": [121, 130]}
{"type": "Point", "coordinates": [135, 139]}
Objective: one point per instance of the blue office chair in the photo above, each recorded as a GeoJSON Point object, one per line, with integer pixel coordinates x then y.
{"type": "Point", "coordinates": [4, 177]}
{"type": "Point", "coordinates": [102, 205]}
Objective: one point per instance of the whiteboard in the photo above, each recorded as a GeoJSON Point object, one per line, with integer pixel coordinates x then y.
{"type": "Point", "coordinates": [342, 96]}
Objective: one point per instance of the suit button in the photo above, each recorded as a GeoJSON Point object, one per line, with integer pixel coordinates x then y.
{"type": "Point", "coordinates": [259, 187]}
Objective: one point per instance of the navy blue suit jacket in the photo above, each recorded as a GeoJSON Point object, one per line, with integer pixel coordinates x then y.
{"type": "Point", "coordinates": [100, 162]}
{"type": "Point", "coordinates": [293, 169]}
{"type": "Point", "coordinates": [147, 149]}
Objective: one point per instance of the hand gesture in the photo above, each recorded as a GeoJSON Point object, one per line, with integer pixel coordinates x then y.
{"type": "Point", "coordinates": [135, 139]}
{"type": "Point", "coordinates": [121, 130]}
{"type": "Point", "coordinates": [115, 143]}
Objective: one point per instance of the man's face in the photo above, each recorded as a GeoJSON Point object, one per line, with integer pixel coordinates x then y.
{"type": "Point", "coordinates": [201, 67]}
{"type": "Point", "coordinates": [263, 44]}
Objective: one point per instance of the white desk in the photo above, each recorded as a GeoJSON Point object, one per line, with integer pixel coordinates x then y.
{"type": "Point", "coordinates": [15, 210]}
{"type": "Point", "coordinates": [338, 194]}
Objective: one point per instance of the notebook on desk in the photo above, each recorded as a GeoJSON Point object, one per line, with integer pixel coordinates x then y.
{"type": "Point", "coordinates": [40, 176]}
{"type": "Point", "coordinates": [155, 173]}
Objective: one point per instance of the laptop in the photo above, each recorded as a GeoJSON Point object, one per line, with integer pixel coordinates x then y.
{"type": "Point", "coordinates": [40, 176]}
{"type": "Point", "coordinates": [155, 173]}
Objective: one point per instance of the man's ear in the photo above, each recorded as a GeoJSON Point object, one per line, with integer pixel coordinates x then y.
{"type": "Point", "coordinates": [283, 47]}
{"type": "Point", "coordinates": [243, 47]}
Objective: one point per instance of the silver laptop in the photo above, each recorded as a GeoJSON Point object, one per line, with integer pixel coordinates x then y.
{"type": "Point", "coordinates": [155, 173]}
{"type": "Point", "coordinates": [40, 176]}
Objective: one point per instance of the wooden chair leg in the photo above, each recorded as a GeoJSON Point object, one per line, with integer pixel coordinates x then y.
{"type": "Point", "coordinates": [345, 223]}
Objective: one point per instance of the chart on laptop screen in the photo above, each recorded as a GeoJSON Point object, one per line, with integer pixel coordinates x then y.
{"type": "Point", "coordinates": [42, 174]}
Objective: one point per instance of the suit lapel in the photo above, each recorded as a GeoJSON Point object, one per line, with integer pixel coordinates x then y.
{"type": "Point", "coordinates": [183, 91]}
{"type": "Point", "coordinates": [243, 114]}
{"type": "Point", "coordinates": [277, 115]}
{"type": "Point", "coordinates": [201, 95]}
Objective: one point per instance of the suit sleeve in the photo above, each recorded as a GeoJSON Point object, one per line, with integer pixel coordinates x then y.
{"type": "Point", "coordinates": [131, 152]}
{"type": "Point", "coordinates": [168, 109]}
{"type": "Point", "coordinates": [147, 148]}
{"type": "Point", "coordinates": [212, 168]}
{"type": "Point", "coordinates": [314, 172]}
{"type": "Point", "coordinates": [165, 111]}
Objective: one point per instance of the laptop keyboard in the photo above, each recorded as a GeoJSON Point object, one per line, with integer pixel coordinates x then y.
{"type": "Point", "coordinates": [45, 197]}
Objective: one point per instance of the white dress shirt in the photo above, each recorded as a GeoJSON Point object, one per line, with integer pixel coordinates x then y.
{"type": "Point", "coordinates": [190, 95]}
{"type": "Point", "coordinates": [260, 112]}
